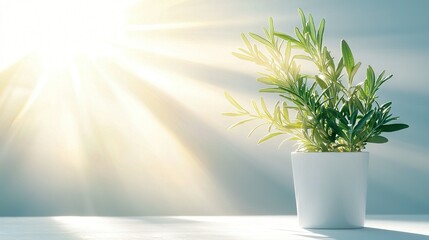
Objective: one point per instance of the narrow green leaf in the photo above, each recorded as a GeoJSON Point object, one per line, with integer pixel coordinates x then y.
{"type": "Point", "coordinates": [377, 139]}
{"type": "Point", "coordinates": [288, 51]}
{"type": "Point", "coordinates": [300, 36]}
{"type": "Point", "coordinates": [269, 136]}
{"type": "Point", "coordinates": [320, 33]}
{"type": "Point", "coordinates": [254, 129]}
{"type": "Point", "coordinates": [353, 117]}
{"type": "Point", "coordinates": [246, 41]}
{"type": "Point", "coordinates": [370, 77]}
{"type": "Point", "coordinates": [354, 70]}
{"type": "Point", "coordinates": [303, 57]}
{"type": "Point", "coordinates": [255, 106]}
{"type": "Point", "coordinates": [340, 67]}
{"type": "Point", "coordinates": [285, 112]}
{"type": "Point", "coordinates": [380, 77]}
{"type": "Point", "coordinates": [244, 51]}
{"type": "Point", "coordinates": [265, 80]}
{"type": "Point", "coordinates": [243, 57]}
{"type": "Point", "coordinates": [336, 129]}
{"type": "Point", "coordinates": [349, 61]}
{"type": "Point", "coordinates": [267, 34]}
{"type": "Point", "coordinates": [286, 37]}
{"type": "Point", "coordinates": [302, 15]}
{"type": "Point", "coordinates": [233, 102]}
{"type": "Point", "coordinates": [272, 90]}
{"type": "Point", "coordinates": [312, 28]}
{"type": "Point", "coordinates": [393, 127]}
{"type": "Point", "coordinates": [277, 115]}
{"type": "Point", "coordinates": [386, 105]}
{"type": "Point", "coordinates": [359, 104]}
{"type": "Point", "coordinates": [282, 142]}
{"type": "Point", "coordinates": [271, 31]}
{"type": "Point", "coordinates": [234, 114]}
{"type": "Point", "coordinates": [379, 83]}
{"type": "Point", "coordinates": [264, 107]}
{"type": "Point", "coordinates": [337, 115]}
{"type": "Point", "coordinates": [321, 83]}
{"type": "Point", "coordinates": [363, 120]}
{"type": "Point", "coordinates": [241, 122]}
{"type": "Point", "coordinates": [260, 39]}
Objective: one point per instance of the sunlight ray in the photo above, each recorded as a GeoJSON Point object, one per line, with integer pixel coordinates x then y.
{"type": "Point", "coordinates": [167, 26]}
{"type": "Point", "coordinates": [184, 170]}
{"type": "Point", "coordinates": [41, 83]}
{"type": "Point", "coordinates": [89, 113]}
{"type": "Point", "coordinates": [192, 93]}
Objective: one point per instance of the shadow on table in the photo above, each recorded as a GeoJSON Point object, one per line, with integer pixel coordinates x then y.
{"type": "Point", "coordinates": [364, 233]}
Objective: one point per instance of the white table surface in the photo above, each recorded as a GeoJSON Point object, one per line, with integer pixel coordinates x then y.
{"type": "Point", "coordinates": [389, 227]}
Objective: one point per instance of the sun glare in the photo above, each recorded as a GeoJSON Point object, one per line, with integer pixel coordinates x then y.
{"type": "Point", "coordinates": [97, 87]}
{"type": "Point", "coordinates": [59, 30]}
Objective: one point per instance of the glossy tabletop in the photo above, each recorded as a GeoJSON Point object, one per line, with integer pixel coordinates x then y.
{"type": "Point", "coordinates": [392, 227]}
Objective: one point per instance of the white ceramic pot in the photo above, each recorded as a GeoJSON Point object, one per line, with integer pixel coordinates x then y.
{"type": "Point", "coordinates": [330, 188]}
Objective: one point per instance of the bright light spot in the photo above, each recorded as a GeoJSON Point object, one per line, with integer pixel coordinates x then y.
{"type": "Point", "coordinates": [62, 29]}
{"type": "Point", "coordinates": [94, 227]}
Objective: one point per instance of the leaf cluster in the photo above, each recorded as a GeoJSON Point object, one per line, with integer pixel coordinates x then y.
{"type": "Point", "coordinates": [331, 112]}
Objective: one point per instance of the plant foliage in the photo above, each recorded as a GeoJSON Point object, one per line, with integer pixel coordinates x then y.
{"type": "Point", "coordinates": [331, 112]}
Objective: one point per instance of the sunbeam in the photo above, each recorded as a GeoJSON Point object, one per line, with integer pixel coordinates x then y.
{"type": "Point", "coordinates": [71, 98]}
{"type": "Point", "coordinates": [59, 30]}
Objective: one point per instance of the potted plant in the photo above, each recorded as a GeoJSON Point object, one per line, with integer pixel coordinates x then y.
{"type": "Point", "coordinates": [334, 118]}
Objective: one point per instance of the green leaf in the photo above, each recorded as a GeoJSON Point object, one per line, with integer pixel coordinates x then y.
{"type": "Point", "coordinates": [321, 83]}
{"type": "Point", "coordinates": [302, 15]}
{"type": "Point", "coordinates": [246, 41]}
{"type": "Point", "coordinates": [271, 31]}
{"type": "Point", "coordinates": [269, 136]}
{"type": "Point", "coordinates": [336, 129]}
{"type": "Point", "coordinates": [363, 120]}
{"type": "Point", "coordinates": [303, 57]}
{"type": "Point", "coordinates": [255, 106]}
{"type": "Point", "coordinates": [233, 102]}
{"type": "Point", "coordinates": [320, 33]}
{"type": "Point", "coordinates": [272, 90]}
{"type": "Point", "coordinates": [286, 37]}
{"type": "Point", "coordinates": [339, 68]}
{"type": "Point", "coordinates": [393, 127]}
{"type": "Point", "coordinates": [370, 77]}
{"type": "Point", "coordinates": [349, 61]}
{"type": "Point", "coordinates": [353, 117]}
{"type": "Point", "coordinates": [359, 104]}
{"type": "Point", "coordinates": [264, 107]}
{"type": "Point", "coordinates": [260, 39]}
{"type": "Point", "coordinates": [234, 114]}
{"type": "Point", "coordinates": [299, 36]}
{"type": "Point", "coordinates": [253, 130]}
{"type": "Point", "coordinates": [245, 51]}
{"type": "Point", "coordinates": [312, 28]}
{"type": "Point", "coordinates": [386, 105]}
{"type": "Point", "coordinates": [354, 70]}
{"type": "Point", "coordinates": [243, 57]}
{"type": "Point", "coordinates": [288, 51]}
{"type": "Point", "coordinates": [285, 111]}
{"type": "Point", "coordinates": [377, 139]}
{"type": "Point", "coordinates": [381, 80]}
{"type": "Point", "coordinates": [241, 122]}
